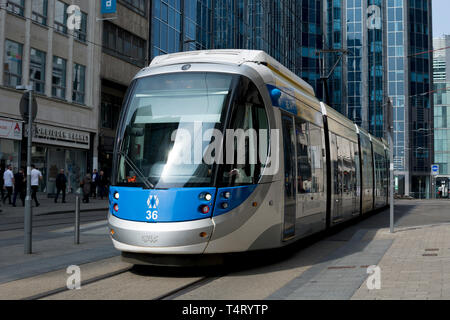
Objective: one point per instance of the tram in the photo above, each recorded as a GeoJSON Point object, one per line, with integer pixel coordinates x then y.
{"type": "Point", "coordinates": [225, 151]}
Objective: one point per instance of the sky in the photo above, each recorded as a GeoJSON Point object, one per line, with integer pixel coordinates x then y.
{"type": "Point", "coordinates": [441, 17]}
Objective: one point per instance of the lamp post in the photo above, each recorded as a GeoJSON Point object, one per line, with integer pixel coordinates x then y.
{"type": "Point", "coordinates": [390, 129]}
{"type": "Point", "coordinates": [28, 219]}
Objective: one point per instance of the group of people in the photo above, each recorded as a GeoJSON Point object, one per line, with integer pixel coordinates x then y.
{"type": "Point", "coordinates": [14, 185]}
{"type": "Point", "coordinates": [91, 185]}
{"type": "Point", "coordinates": [94, 185]}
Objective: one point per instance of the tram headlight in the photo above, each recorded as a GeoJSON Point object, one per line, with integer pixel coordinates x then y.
{"type": "Point", "coordinates": [116, 196]}
{"type": "Point", "coordinates": [224, 205]}
{"type": "Point", "coordinates": [227, 195]}
{"type": "Point", "coordinates": [206, 196]}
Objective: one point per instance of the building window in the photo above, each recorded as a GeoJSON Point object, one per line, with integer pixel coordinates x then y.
{"type": "Point", "coordinates": [123, 44]}
{"type": "Point", "coordinates": [137, 6]}
{"type": "Point", "coordinates": [16, 6]}
{"type": "Point", "coordinates": [82, 33]}
{"type": "Point", "coordinates": [110, 111]}
{"type": "Point", "coordinates": [40, 11]}
{"type": "Point", "coordinates": [59, 78]}
{"type": "Point", "coordinates": [37, 70]}
{"type": "Point", "coordinates": [13, 64]}
{"type": "Point", "coordinates": [79, 73]}
{"type": "Point", "coordinates": [60, 16]}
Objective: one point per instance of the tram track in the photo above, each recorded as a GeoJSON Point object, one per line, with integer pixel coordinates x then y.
{"type": "Point", "coordinates": [114, 277]}
{"type": "Point", "coordinates": [172, 295]}
{"type": "Point", "coordinates": [50, 221]}
{"type": "Point", "coordinates": [53, 292]}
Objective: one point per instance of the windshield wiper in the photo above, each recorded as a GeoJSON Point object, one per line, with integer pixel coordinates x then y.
{"type": "Point", "coordinates": [147, 183]}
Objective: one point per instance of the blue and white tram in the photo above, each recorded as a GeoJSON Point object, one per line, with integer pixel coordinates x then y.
{"type": "Point", "coordinates": [168, 198]}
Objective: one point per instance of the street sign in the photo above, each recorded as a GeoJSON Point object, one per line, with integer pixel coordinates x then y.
{"type": "Point", "coordinates": [435, 169]}
{"type": "Point", "coordinates": [24, 107]}
{"type": "Point", "coordinates": [108, 6]}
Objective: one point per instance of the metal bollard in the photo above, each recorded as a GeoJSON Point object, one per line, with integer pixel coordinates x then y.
{"type": "Point", "coordinates": [77, 220]}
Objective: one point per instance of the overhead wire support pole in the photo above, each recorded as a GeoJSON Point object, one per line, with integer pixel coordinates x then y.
{"type": "Point", "coordinates": [324, 75]}
{"type": "Point", "coordinates": [389, 131]}
{"type": "Point", "coordinates": [28, 209]}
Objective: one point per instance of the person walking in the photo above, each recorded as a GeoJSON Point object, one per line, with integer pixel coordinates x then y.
{"type": "Point", "coordinates": [36, 176]}
{"type": "Point", "coordinates": [102, 183]}
{"type": "Point", "coordinates": [8, 180]}
{"type": "Point", "coordinates": [94, 184]}
{"type": "Point", "coordinates": [19, 186]}
{"type": "Point", "coordinates": [86, 185]}
{"type": "Point", "coordinates": [61, 185]}
{"type": "Point", "coordinates": [2, 185]}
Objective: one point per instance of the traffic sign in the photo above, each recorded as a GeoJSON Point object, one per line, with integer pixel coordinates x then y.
{"type": "Point", "coordinates": [24, 107]}
{"type": "Point", "coordinates": [435, 169]}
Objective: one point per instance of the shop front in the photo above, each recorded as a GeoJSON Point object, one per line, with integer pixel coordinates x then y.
{"type": "Point", "coordinates": [56, 148]}
{"type": "Point", "coordinates": [10, 142]}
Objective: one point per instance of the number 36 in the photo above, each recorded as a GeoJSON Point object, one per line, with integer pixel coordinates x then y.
{"type": "Point", "coordinates": [152, 215]}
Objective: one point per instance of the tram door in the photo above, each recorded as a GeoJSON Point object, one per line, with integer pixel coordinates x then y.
{"type": "Point", "coordinates": [290, 193]}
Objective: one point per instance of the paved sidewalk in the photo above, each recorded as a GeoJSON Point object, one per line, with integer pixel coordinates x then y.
{"type": "Point", "coordinates": [414, 262]}
{"type": "Point", "coordinates": [53, 237]}
{"type": "Point", "coordinates": [48, 206]}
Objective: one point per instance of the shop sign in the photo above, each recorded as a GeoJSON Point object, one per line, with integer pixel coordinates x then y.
{"type": "Point", "coordinates": [10, 129]}
{"type": "Point", "coordinates": [61, 136]}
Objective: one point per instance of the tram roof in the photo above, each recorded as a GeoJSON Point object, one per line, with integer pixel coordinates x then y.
{"type": "Point", "coordinates": [233, 56]}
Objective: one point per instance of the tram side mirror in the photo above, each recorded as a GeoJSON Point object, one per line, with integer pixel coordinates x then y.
{"type": "Point", "coordinates": [135, 132]}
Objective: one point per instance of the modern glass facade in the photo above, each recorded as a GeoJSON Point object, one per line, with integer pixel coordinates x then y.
{"type": "Point", "coordinates": [441, 78]}
{"type": "Point", "coordinates": [355, 89]}
{"type": "Point", "coordinates": [442, 127]}
{"type": "Point", "coordinates": [288, 30]}
{"type": "Point", "coordinates": [396, 79]}
{"type": "Point", "coordinates": [381, 42]}
{"type": "Point", "coordinates": [334, 40]}
{"type": "Point", "coordinates": [419, 44]}
{"type": "Point", "coordinates": [384, 43]}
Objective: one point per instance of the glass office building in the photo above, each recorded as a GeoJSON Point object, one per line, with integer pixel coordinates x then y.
{"type": "Point", "coordinates": [441, 79]}
{"type": "Point", "coordinates": [384, 43]}
{"type": "Point", "coordinates": [372, 49]}
{"type": "Point", "coordinates": [289, 30]}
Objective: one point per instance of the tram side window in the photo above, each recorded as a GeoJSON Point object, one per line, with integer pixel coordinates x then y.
{"type": "Point", "coordinates": [315, 146]}
{"type": "Point", "coordinates": [247, 120]}
{"type": "Point", "coordinates": [304, 174]}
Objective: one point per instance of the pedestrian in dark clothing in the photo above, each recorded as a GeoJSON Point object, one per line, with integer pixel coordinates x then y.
{"type": "Point", "coordinates": [2, 185]}
{"type": "Point", "coordinates": [61, 186]}
{"type": "Point", "coordinates": [102, 184]}
{"type": "Point", "coordinates": [94, 184]}
{"type": "Point", "coordinates": [86, 185]}
{"type": "Point", "coordinates": [19, 187]}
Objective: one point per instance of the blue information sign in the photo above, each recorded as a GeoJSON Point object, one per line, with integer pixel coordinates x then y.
{"type": "Point", "coordinates": [109, 6]}
{"type": "Point", "coordinates": [435, 169]}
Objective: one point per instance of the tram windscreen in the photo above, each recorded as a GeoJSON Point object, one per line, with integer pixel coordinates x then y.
{"type": "Point", "coordinates": [170, 119]}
